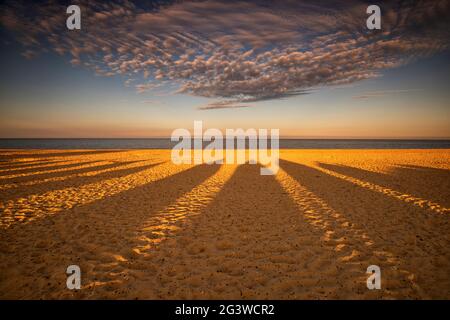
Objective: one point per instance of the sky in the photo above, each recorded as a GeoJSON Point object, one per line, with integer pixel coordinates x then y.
{"type": "Point", "coordinates": [140, 69]}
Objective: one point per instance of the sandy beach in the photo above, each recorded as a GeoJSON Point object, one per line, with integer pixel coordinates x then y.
{"type": "Point", "coordinates": [141, 227]}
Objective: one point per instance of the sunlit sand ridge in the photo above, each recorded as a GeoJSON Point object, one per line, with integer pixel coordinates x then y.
{"type": "Point", "coordinates": [142, 227]}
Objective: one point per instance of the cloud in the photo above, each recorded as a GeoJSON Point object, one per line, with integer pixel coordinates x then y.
{"type": "Point", "coordinates": [236, 52]}
{"type": "Point", "coordinates": [242, 100]}
{"type": "Point", "coordinates": [215, 106]}
{"type": "Point", "coordinates": [379, 94]}
{"type": "Point", "coordinates": [153, 102]}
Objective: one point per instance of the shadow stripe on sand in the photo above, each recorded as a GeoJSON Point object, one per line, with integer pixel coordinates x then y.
{"type": "Point", "coordinates": [414, 238]}
{"type": "Point", "coordinates": [72, 167]}
{"type": "Point", "coordinates": [116, 170]}
{"type": "Point", "coordinates": [34, 206]}
{"type": "Point", "coordinates": [92, 235]}
{"type": "Point", "coordinates": [417, 201]}
{"type": "Point", "coordinates": [344, 234]}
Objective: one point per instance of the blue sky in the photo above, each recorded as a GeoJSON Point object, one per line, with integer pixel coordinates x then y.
{"type": "Point", "coordinates": [403, 94]}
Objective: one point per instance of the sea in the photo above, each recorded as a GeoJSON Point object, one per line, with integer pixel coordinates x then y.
{"type": "Point", "coordinates": [157, 143]}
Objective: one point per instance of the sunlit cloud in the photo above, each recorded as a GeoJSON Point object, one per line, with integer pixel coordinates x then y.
{"type": "Point", "coordinates": [218, 105]}
{"type": "Point", "coordinates": [384, 93]}
{"type": "Point", "coordinates": [236, 53]}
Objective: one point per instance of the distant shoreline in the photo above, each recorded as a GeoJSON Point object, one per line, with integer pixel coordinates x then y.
{"type": "Point", "coordinates": [165, 143]}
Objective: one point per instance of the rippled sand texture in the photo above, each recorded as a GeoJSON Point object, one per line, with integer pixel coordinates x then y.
{"type": "Point", "coordinates": [141, 227]}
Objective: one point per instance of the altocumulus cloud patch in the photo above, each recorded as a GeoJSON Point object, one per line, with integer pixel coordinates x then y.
{"type": "Point", "coordinates": [236, 52]}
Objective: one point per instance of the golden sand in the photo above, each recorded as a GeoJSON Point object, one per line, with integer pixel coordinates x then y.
{"type": "Point", "coordinates": [141, 227]}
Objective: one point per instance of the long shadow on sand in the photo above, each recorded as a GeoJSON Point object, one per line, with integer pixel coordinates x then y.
{"type": "Point", "coordinates": [30, 171]}
{"type": "Point", "coordinates": [84, 235]}
{"type": "Point", "coordinates": [250, 241]}
{"type": "Point", "coordinates": [75, 181]}
{"type": "Point", "coordinates": [414, 235]}
{"type": "Point", "coordinates": [27, 164]}
{"type": "Point", "coordinates": [428, 183]}
{"type": "Point", "coordinates": [38, 175]}
{"type": "Point", "coordinates": [38, 154]}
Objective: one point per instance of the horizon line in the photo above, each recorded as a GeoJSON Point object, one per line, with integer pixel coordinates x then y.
{"type": "Point", "coordinates": [281, 138]}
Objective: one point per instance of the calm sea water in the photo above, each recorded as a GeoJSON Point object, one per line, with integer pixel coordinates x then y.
{"type": "Point", "coordinates": [167, 144]}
